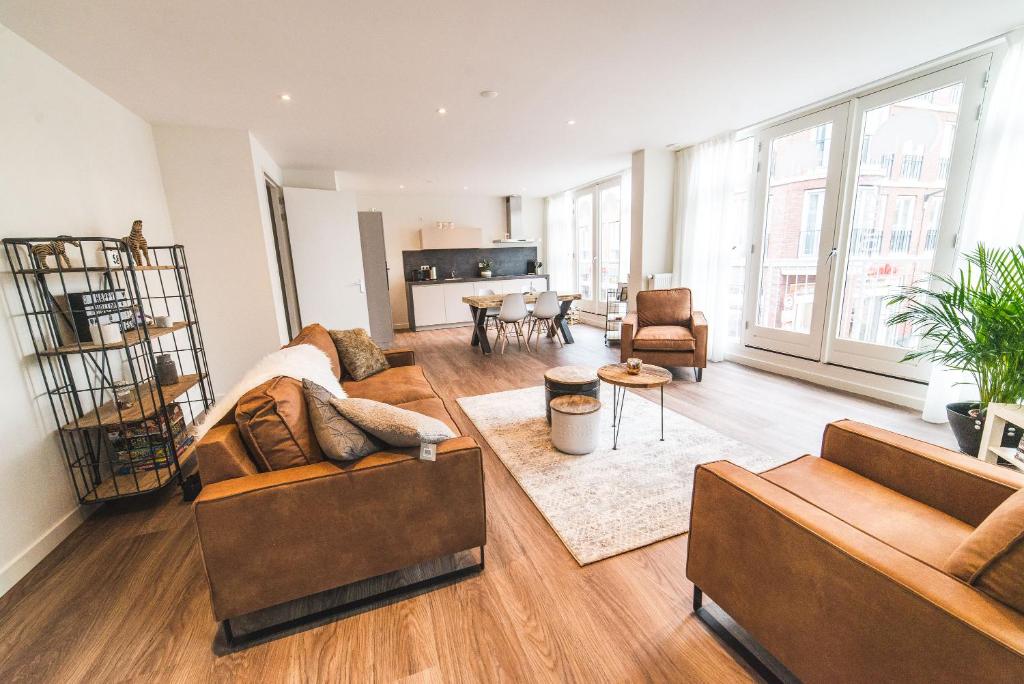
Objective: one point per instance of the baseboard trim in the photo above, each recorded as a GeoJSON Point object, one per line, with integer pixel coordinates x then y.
{"type": "Point", "coordinates": [22, 564]}
{"type": "Point", "coordinates": [882, 388]}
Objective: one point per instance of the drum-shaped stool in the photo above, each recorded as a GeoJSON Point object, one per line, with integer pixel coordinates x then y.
{"type": "Point", "coordinates": [575, 423]}
{"type": "Point", "coordinates": [565, 380]}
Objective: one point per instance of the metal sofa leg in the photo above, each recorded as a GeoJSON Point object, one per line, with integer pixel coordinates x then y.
{"type": "Point", "coordinates": [730, 640]}
{"type": "Point", "coordinates": [699, 373]}
{"type": "Point", "coordinates": [698, 598]}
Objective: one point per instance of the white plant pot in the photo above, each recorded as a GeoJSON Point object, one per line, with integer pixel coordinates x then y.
{"type": "Point", "coordinates": [485, 274]}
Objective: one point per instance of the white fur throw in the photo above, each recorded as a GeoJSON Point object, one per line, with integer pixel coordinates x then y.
{"type": "Point", "coordinates": [302, 362]}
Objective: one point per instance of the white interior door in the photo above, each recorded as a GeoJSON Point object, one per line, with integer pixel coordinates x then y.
{"type": "Point", "coordinates": [905, 190]}
{"type": "Point", "coordinates": [796, 201]}
{"type": "Point", "coordinates": [324, 230]}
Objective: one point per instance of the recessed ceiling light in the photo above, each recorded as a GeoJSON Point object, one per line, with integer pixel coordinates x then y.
{"type": "Point", "coordinates": [442, 111]}
{"type": "Point", "coordinates": [571, 122]}
{"type": "Point", "coordinates": [489, 94]}
{"type": "Point", "coordinates": [285, 97]}
{"type": "Point", "coordinates": [401, 187]}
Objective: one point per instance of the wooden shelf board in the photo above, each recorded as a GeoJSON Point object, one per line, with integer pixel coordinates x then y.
{"type": "Point", "coordinates": [92, 269]}
{"type": "Point", "coordinates": [107, 414]}
{"type": "Point", "coordinates": [130, 338]}
{"type": "Point", "coordinates": [147, 480]}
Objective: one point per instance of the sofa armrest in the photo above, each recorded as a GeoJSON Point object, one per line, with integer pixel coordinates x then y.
{"type": "Point", "coordinates": [699, 328]}
{"type": "Point", "coordinates": [629, 328]}
{"type": "Point", "coordinates": [222, 455]}
{"type": "Point", "coordinates": [966, 488]}
{"type": "Point", "coordinates": [277, 536]}
{"type": "Point", "coordinates": [400, 357]}
{"type": "Point", "coordinates": [831, 601]}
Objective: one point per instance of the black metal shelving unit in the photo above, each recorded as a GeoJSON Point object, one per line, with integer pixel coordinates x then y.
{"type": "Point", "coordinates": [122, 432]}
{"type": "Point", "coordinates": [614, 312]}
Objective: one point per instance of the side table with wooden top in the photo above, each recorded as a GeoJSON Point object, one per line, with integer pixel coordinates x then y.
{"type": "Point", "coordinates": [569, 380]}
{"type": "Point", "coordinates": [616, 375]}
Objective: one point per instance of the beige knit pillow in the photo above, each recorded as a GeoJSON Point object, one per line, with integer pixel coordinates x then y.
{"type": "Point", "coordinates": [396, 426]}
{"type": "Point", "coordinates": [359, 353]}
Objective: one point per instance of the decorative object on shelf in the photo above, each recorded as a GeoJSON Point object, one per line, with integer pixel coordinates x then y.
{"type": "Point", "coordinates": [972, 321]}
{"type": "Point", "coordinates": [634, 365]}
{"type": "Point", "coordinates": [54, 248]}
{"type": "Point", "coordinates": [166, 370]}
{"type": "Point", "coordinates": [623, 292]}
{"type": "Point", "coordinates": [137, 244]}
{"type": "Point", "coordinates": [123, 430]}
{"type": "Point", "coordinates": [485, 266]}
{"type": "Point", "coordinates": [163, 321]}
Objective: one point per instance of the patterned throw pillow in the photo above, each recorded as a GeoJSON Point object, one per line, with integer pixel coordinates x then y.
{"type": "Point", "coordinates": [339, 439]}
{"type": "Point", "coordinates": [359, 354]}
{"type": "Point", "coordinates": [396, 426]}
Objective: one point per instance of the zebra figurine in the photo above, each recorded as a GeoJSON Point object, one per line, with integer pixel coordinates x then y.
{"type": "Point", "coordinates": [137, 243]}
{"type": "Point", "coordinates": [54, 248]}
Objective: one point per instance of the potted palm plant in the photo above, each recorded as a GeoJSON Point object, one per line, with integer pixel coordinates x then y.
{"type": "Point", "coordinates": [972, 322]}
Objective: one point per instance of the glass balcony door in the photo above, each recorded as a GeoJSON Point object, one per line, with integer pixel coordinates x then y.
{"type": "Point", "coordinates": [602, 242]}
{"type": "Point", "coordinates": [796, 201]}
{"type": "Point", "coordinates": [907, 183]}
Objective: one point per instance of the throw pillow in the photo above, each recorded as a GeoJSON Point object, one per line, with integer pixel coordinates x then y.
{"type": "Point", "coordinates": [359, 353]}
{"type": "Point", "coordinates": [396, 426]}
{"type": "Point", "coordinates": [274, 423]}
{"type": "Point", "coordinates": [339, 439]}
{"type": "Point", "coordinates": [992, 557]}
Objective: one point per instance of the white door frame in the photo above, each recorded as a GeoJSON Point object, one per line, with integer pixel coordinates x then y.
{"type": "Point", "coordinates": [880, 358]}
{"type": "Point", "coordinates": [594, 303]}
{"type": "Point", "coordinates": [805, 345]}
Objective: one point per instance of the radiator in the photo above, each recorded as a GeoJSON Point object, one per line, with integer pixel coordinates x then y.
{"type": "Point", "coordinates": [659, 281]}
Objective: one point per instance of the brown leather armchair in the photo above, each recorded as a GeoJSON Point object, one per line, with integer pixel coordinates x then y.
{"type": "Point", "coordinates": [664, 330]}
{"type": "Point", "coordinates": [845, 567]}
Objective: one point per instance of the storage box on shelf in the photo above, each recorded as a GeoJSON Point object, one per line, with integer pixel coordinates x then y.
{"type": "Point", "coordinates": [121, 431]}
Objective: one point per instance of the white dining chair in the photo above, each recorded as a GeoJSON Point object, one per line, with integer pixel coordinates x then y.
{"type": "Point", "coordinates": [491, 316]}
{"type": "Point", "coordinates": [510, 320]}
{"type": "Point", "coordinates": [544, 312]}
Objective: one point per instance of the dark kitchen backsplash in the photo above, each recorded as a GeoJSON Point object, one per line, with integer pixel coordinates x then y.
{"type": "Point", "coordinates": [507, 261]}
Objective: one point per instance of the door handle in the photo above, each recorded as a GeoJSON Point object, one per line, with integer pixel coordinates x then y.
{"type": "Point", "coordinates": [831, 254]}
{"type": "Point", "coordinates": [361, 284]}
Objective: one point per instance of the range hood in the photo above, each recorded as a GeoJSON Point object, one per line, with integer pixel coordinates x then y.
{"type": "Point", "coordinates": [515, 233]}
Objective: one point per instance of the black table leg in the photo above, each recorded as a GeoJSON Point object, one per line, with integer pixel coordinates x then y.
{"type": "Point", "coordinates": [480, 329]}
{"type": "Point", "coordinates": [662, 413]}
{"type": "Point", "coordinates": [563, 326]}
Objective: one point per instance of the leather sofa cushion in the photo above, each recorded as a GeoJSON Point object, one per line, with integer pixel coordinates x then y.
{"type": "Point", "coordinates": [910, 526]}
{"type": "Point", "coordinates": [274, 422]}
{"type": "Point", "coordinates": [392, 386]}
{"type": "Point", "coordinates": [317, 335]}
{"type": "Point", "coordinates": [992, 557]}
{"type": "Point", "coordinates": [664, 338]}
{"type": "Point", "coordinates": [664, 307]}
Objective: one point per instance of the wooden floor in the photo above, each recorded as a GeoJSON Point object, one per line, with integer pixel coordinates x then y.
{"type": "Point", "coordinates": [124, 597]}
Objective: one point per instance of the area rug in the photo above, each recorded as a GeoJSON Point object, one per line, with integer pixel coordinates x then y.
{"type": "Point", "coordinates": [609, 501]}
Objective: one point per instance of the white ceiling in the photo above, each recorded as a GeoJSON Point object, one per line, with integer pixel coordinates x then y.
{"type": "Point", "coordinates": [366, 78]}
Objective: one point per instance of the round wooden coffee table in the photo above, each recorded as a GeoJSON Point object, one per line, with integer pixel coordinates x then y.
{"type": "Point", "coordinates": [616, 375]}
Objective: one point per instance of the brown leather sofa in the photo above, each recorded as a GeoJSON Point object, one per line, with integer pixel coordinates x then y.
{"type": "Point", "coordinates": [271, 536]}
{"type": "Point", "coordinates": [665, 331]}
{"type": "Point", "coordinates": [840, 566]}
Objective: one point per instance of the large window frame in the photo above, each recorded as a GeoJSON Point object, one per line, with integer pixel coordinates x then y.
{"type": "Point", "coordinates": [840, 239]}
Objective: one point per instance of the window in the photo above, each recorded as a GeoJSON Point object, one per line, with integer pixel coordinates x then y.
{"type": "Point", "coordinates": [602, 240]}
{"type": "Point", "coordinates": [810, 226]}
{"type": "Point", "coordinates": [851, 202]}
{"type": "Point", "coordinates": [903, 226]}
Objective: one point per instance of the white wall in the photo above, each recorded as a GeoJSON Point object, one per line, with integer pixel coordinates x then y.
{"type": "Point", "coordinates": [217, 201]}
{"type": "Point", "coordinates": [405, 214]}
{"type": "Point", "coordinates": [651, 214]}
{"type": "Point", "coordinates": [71, 161]}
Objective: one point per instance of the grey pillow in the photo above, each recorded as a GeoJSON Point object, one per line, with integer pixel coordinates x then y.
{"type": "Point", "coordinates": [396, 426]}
{"type": "Point", "coordinates": [339, 439]}
{"type": "Point", "coordinates": [359, 353]}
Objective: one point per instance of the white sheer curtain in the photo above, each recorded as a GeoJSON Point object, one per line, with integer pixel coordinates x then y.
{"type": "Point", "coordinates": [710, 177]}
{"type": "Point", "coordinates": [559, 243]}
{"type": "Point", "coordinates": [995, 201]}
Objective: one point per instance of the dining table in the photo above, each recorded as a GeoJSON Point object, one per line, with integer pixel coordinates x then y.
{"type": "Point", "coordinates": [479, 304]}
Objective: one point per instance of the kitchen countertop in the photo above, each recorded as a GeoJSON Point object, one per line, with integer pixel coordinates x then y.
{"type": "Point", "coordinates": [441, 281]}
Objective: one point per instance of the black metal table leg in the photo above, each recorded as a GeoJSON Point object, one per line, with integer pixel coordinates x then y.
{"type": "Point", "coordinates": [617, 424]}
{"type": "Point", "coordinates": [480, 329]}
{"type": "Point", "coordinates": [563, 326]}
{"type": "Point", "coordinates": [662, 413]}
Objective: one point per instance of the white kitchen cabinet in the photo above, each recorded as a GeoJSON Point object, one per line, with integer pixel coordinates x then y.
{"type": "Point", "coordinates": [539, 284]}
{"type": "Point", "coordinates": [428, 303]}
{"type": "Point", "coordinates": [455, 310]}
{"type": "Point", "coordinates": [517, 285]}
